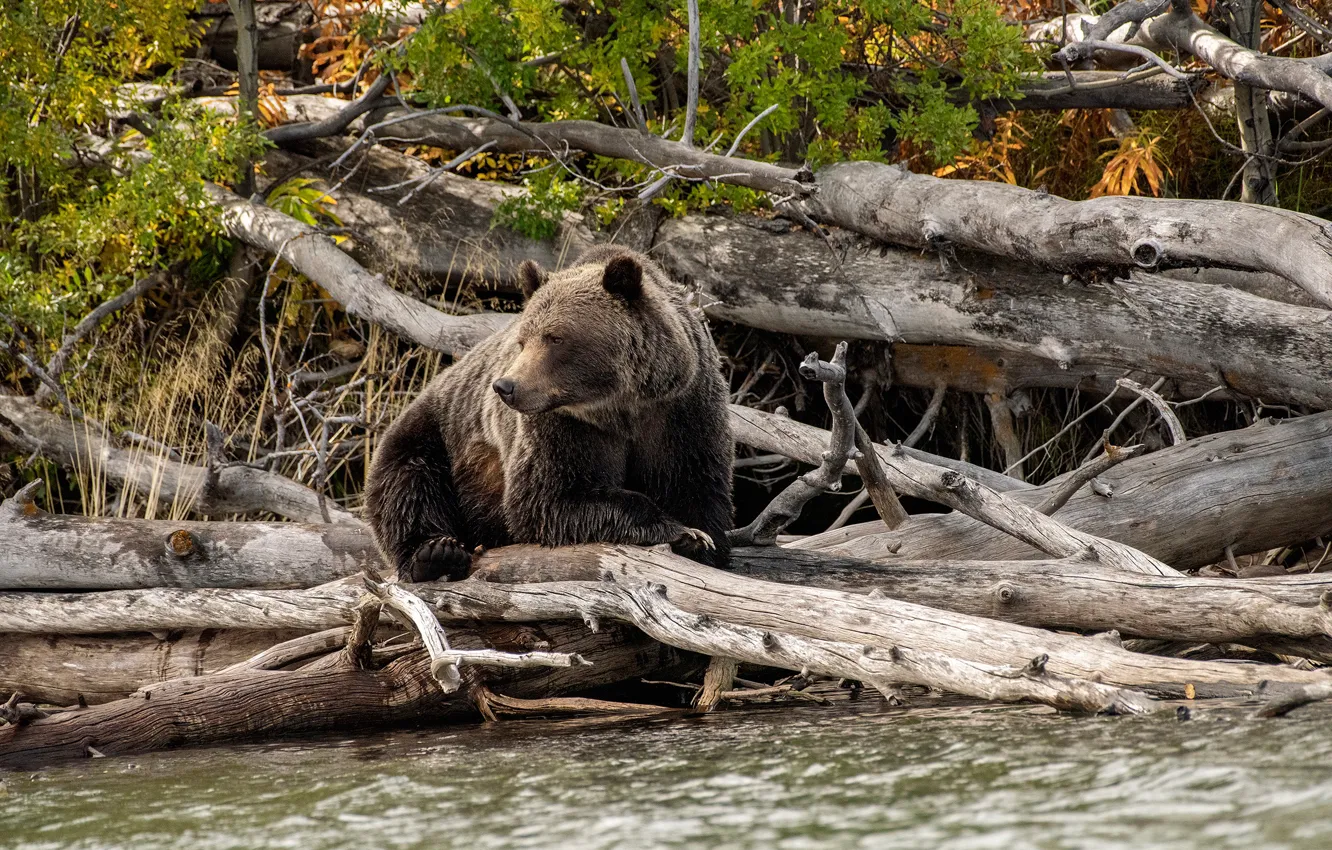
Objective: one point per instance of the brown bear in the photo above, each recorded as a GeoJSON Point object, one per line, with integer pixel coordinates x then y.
{"type": "Point", "coordinates": [598, 416]}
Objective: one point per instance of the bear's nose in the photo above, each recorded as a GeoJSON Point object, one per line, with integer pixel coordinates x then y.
{"type": "Point", "coordinates": [504, 387]}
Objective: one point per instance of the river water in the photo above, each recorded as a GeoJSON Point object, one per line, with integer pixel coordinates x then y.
{"type": "Point", "coordinates": [850, 776]}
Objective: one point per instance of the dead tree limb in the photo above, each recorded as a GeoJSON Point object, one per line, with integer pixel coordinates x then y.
{"type": "Point", "coordinates": [960, 492]}
{"type": "Point", "coordinates": [56, 366]}
{"type": "Point", "coordinates": [250, 704]}
{"type": "Point", "coordinates": [237, 489]}
{"type": "Point", "coordinates": [894, 205]}
{"type": "Point", "coordinates": [361, 293]}
{"type": "Point", "coordinates": [61, 552]}
{"type": "Point", "coordinates": [648, 608]}
{"type": "Point", "coordinates": [785, 507]}
{"type": "Point", "coordinates": [1074, 481]}
{"type": "Point", "coordinates": [1276, 477]}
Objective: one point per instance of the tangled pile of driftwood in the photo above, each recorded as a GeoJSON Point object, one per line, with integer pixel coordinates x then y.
{"type": "Point", "coordinates": [171, 633]}
{"type": "Point", "coordinates": [127, 635]}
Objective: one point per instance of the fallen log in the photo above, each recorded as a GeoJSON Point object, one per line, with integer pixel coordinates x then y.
{"type": "Point", "coordinates": [246, 705]}
{"type": "Point", "coordinates": [64, 669]}
{"type": "Point", "coordinates": [1068, 594]}
{"type": "Point", "coordinates": [826, 614]}
{"type": "Point", "coordinates": [186, 487]}
{"type": "Point", "coordinates": [1200, 335]}
{"type": "Point", "coordinates": [565, 590]}
{"type": "Point", "coordinates": [1276, 477]}
{"type": "Point", "coordinates": [896, 206]}
{"type": "Point", "coordinates": [41, 551]}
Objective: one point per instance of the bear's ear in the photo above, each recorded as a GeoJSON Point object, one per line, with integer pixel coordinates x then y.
{"type": "Point", "coordinates": [530, 277]}
{"type": "Point", "coordinates": [624, 277]}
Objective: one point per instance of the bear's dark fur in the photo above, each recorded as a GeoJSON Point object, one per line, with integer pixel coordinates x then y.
{"type": "Point", "coordinates": [598, 416]}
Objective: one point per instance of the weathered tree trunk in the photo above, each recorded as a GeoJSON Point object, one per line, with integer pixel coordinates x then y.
{"type": "Point", "coordinates": [64, 669]}
{"type": "Point", "coordinates": [246, 705]}
{"type": "Point", "coordinates": [41, 551]}
{"type": "Point", "coordinates": [1276, 477]}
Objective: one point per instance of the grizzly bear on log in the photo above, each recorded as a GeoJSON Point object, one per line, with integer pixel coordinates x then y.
{"type": "Point", "coordinates": [598, 416]}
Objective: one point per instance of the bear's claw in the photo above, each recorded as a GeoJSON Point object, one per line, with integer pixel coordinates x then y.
{"type": "Point", "coordinates": [698, 539]}
{"type": "Point", "coordinates": [440, 557]}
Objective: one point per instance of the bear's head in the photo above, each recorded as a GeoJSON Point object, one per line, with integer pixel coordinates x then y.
{"type": "Point", "coordinates": [606, 335]}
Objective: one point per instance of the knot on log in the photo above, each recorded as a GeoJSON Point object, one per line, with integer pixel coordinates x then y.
{"type": "Point", "coordinates": [1036, 666]}
{"type": "Point", "coordinates": [1325, 600]}
{"type": "Point", "coordinates": [1006, 593]}
{"type": "Point", "coordinates": [1147, 253]}
{"type": "Point", "coordinates": [957, 482]}
{"type": "Point", "coordinates": [181, 544]}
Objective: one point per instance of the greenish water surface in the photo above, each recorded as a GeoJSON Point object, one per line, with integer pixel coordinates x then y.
{"type": "Point", "coordinates": [793, 777]}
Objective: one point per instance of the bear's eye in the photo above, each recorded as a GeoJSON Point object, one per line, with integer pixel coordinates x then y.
{"type": "Point", "coordinates": [520, 345]}
{"type": "Point", "coordinates": [554, 340]}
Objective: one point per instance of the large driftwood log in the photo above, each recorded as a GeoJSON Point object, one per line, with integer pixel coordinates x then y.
{"type": "Point", "coordinates": [896, 206]}
{"type": "Point", "coordinates": [1276, 476]}
{"type": "Point", "coordinates": [565, 591]}
{"type": "Point", "coordinates": [41, 551]}
{"type": "Point", "coordinates": [1202, 335]}
{"type": "Point", "coordinates": [327, 695]}
{"type": "Point", "coordinates": [1070, 594]}
{"type": "Point", "coordinates": [236, 489]}
{"type": "Point", "coordinates": [63, 669]}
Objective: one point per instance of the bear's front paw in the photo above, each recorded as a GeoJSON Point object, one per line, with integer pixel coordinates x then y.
{"type": "Point", "coordinates": [438, 557]}
{"type": "Point", "coordinates": [693, 538]}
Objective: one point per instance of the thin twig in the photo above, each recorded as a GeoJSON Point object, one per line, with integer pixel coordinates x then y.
{"type": "Point", "coordinates": [1119, 420]}
{"type": "Point", "coordinates": [927, 418]}
{"type": "Point", "coordinates": [56, 365]}
{"type": "Point", "coordinates": [740, 137]}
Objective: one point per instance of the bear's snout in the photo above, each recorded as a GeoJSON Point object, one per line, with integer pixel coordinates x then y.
{"type": "Point", "coordinates": [505, 389]}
